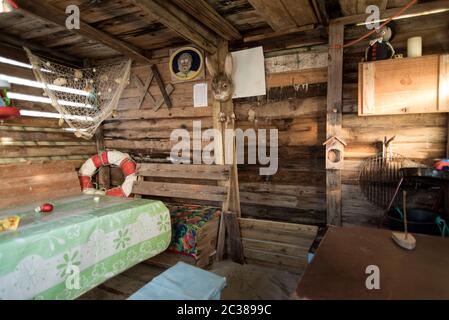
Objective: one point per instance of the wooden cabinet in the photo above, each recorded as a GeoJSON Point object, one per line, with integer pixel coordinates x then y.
{"type": "Point", "coordinates": [401, 86]}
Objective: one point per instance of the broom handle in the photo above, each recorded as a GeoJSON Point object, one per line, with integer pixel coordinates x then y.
{"type": "Point", "coordinates": [404, 205]}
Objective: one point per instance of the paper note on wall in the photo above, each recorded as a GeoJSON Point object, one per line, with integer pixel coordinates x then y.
{"type": "Point", "coordinates": [249, 73]}
{"type": "Point", "coordinates": [200, 95]}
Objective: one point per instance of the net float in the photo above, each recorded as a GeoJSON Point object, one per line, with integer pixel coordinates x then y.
{"type": "Point", "coordinates": [46, 207]}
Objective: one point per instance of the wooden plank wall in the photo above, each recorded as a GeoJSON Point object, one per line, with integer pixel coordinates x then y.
{"type": "Point", "coordinates": [145, 133]}
{"type": "Point", "coordinates": [33, 183]}
{"type": "Point", "coordinates": [420, 137]}
{"type": "Point", "coordinates": [295, 105]}
{"type": "Point", "coordinates": [31, 138]}
{"type": "Point", "coordinates": [297, 192]}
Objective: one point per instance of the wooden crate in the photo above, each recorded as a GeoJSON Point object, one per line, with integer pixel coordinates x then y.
{"type": "Point", "coordinates": [277, 245]}
{"type": "Point", "coordinates": [206, 244]}
{"type": "Point", "coordinates": [403, 86]}
{"type": "Point", "coordinates": [194, 184]}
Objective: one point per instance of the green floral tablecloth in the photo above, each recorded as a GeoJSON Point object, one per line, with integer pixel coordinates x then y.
{"type": "Point", "coordinates": [81, 244]}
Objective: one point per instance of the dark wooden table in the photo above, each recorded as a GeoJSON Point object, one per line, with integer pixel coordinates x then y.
{"type": "Point", "coordinates": [338, 270]}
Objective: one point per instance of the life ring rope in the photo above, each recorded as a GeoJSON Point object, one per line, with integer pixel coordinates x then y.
{"type": "Point", "coordinates": [108, 158]}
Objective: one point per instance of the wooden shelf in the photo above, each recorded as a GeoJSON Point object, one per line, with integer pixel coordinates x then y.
{"type": "Point", "coordinates": [403, 86]}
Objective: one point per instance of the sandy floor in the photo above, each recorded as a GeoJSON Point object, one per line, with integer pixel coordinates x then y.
{"type": "Point", "coordinates": [252, 282]}
{"type": "Point", "coordinates": [244, 282]}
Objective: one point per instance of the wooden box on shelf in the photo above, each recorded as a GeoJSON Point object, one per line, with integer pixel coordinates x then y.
{"type": "Point", "coordinates": [402, 86]}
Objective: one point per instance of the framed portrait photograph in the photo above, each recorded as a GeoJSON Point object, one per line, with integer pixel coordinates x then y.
{"type": "Point", "coordinates": [186, 64]}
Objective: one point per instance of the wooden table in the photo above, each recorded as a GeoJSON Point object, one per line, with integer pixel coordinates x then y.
{"type": "Point", "coordinates": [79, 245]}
{"type": "Point", "coordinates": [338, 270]}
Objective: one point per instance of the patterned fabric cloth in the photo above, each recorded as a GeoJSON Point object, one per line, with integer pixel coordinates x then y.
{"type": "Point", "coordinates": [79, 245]}
{"type": "Point", "coordinates": [187, 220]}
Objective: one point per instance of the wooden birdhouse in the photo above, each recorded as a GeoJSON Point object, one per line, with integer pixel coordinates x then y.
{"type": "Point", "coordinates": [335, 150]}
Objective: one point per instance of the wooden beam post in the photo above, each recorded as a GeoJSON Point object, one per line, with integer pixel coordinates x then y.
{"type": "Point", "coordinates": [45, 11]}
{"type": "Point", "coordinates": [334, 120]}
{"type": "Point", "coordinates": [18, 43]}
{"type": "Point", "coordinates": [224, 111]}
{"type": "Point", "coordinates": [104, 174]}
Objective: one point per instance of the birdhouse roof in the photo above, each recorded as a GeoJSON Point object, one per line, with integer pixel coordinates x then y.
{"type": "Point", "coordinates": [332, 139]}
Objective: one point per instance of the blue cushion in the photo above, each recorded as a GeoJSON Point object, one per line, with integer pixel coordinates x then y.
{"type": "Point", "coordinates": [182, 282]}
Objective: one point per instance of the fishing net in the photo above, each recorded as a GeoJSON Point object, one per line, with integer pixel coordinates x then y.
{"type": "Point", "coordinates": [83, 97]}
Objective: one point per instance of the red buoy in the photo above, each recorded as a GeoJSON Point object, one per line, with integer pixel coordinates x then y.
{"type": "Point", "coordinates": [9, 113]}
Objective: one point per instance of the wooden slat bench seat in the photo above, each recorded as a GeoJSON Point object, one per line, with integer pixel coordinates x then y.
{"type": "Point", "coordinates": [203, 185]}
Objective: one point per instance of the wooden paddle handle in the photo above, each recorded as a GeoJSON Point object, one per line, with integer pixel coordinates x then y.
{"type": "Point", "coordinates": [404, 206]}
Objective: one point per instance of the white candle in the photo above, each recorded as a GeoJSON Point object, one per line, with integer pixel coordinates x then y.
{"type": "Point", "coordinates": [414, 47]}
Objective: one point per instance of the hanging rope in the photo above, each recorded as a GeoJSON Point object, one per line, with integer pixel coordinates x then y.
{"type": "Point", "coordinates": [353, 42]}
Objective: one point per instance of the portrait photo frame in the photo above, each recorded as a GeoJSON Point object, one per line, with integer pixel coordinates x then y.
{"type": "Point", "coordinates": [183, 57]}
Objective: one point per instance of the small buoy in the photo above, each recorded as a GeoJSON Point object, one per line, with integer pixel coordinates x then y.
{"type": "Point", "coordinates": [78, 134]}
{"type": "Point", "coordinates": [78, 74]}
{"type": "Point", "coordinates": [46, 207]}
{"type": "Point", "coordinates": [97, 199]}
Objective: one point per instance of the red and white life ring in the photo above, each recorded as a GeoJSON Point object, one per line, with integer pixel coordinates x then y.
{"type": "Point", "coordinates": [117, 158]}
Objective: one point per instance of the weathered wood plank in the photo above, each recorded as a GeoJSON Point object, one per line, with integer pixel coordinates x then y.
{"type": "Point", "coordinates": [50, 13]}
{"type": "Point", "coordinates": [204, 12]}
{"type": "Point", "coordinates": [177, 190]}
{"type": "Point", "coordinates": [203, 172]}
{"type": "Point", "coordinates": [28, 183]}
{"type": "Point", "coordinates": [18, 152]}
{"type": "Point", "coordinates": [180, 22]}
{"type": "Point", "coordinates": [385, 14]}
{"type": "Point", "coordinates": [275, 13]}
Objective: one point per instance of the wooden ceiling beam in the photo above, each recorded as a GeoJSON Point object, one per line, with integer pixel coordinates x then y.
{"type": "Point", "coordinates": [415, 9]}
{"type": "Point", "coordinates": [207, 15]}
{"type": "Point", "coordinates": [49, 53]}
{"type": "Point", "coordinates": [177, 20]}
{"type": "Point", "coordinates": [352, 7]}
{"type": "Point", "coordinates": [274, 13]}
{"type": "Point", "coordinates": [276, 34]}
{"type": "Point", "coordinates": [301, 11]}
{"type": "Point", "coordinates": [45, 11]}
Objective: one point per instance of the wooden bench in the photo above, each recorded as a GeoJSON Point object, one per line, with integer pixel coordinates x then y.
{"type": "Point", "coordinates": [36, 182]}
{"type": "Point", "coordinates": [192, 184]}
